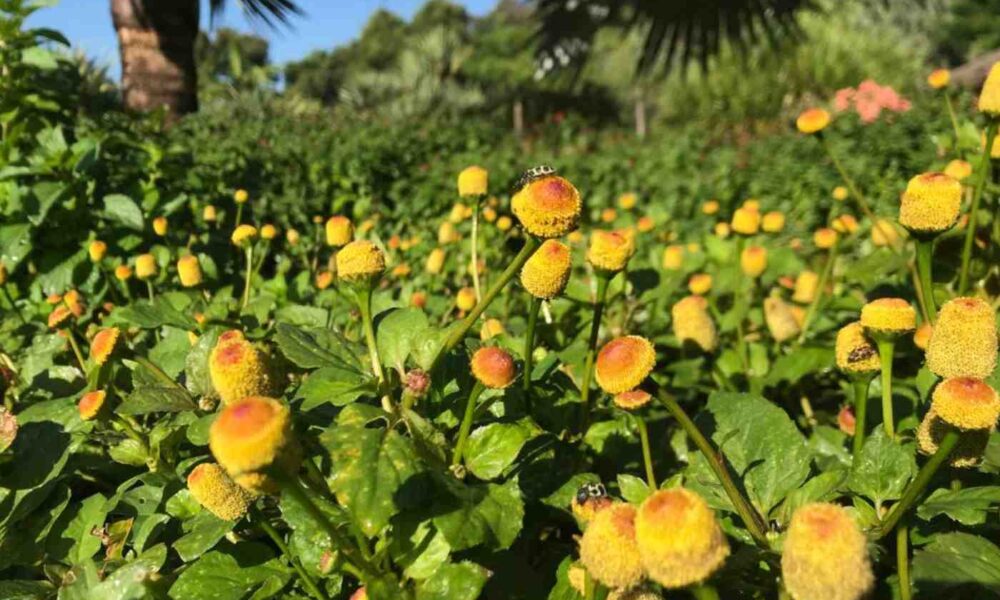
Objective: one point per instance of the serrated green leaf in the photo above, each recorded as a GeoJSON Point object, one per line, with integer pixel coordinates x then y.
{"type": "Point", "coordinates": [633, 489]}
{"type": "Point", "coordinates": [821, 488]}
{"type": "Point", "coordinates": [453, 582]}
{"type": "Point", "coordinates": [968, 506]}
{"type": "Point", "coordinates": [333, 385]}
{"type": "Point", "coordinates": [147, 400]}
{"type": "Point", "coordinates": [203, 532]}
{"type": "Point", "coordinates": [124, 210]}
{"type": "Point", "coordinates": [309, 349]}
{"type": "Point", "coordinates": [151, 315]}
{"type": "Point", "coordinates": [229, 573]}
{"type": "Point", "coordinates": [790, 368]}
{"type": "Point", "coordinates": [957, 559]}
{"type": "Point", "coordinates": [483, 514]}
{"type": "Point", "coordinates": [884, 468]}
{"type": "Point", "coordinates": [493, 448]}
{"type": "Point", "coordinates": [398, 335]}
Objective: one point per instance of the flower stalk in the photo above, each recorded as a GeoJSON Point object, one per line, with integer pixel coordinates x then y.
{"type": "Point", "coordinates": [647, 455]}
{"type": "Point", "coordinates": [307, 580]}
{"type": "Point", "coordinates": [248, 281]}
{"type": "Point", "coordinates": [588, 366]}
{"type": "Point", "coordinates": [925, 253]}
{"type": "Point", "coordinates": [886, 349]}
{"type": "Point", "coordinates": [824, 278]}
{"type": "Point", "coordinates": [474, 254]}
{"type": "Point", "coordinates": [860, 385]}
{"type": "Point", "coordinates": [364, 294]}
{"type": "Point", "coordinates": [466, 426]}
{"type": "Point", "coordinates": [977, 194]}
{"type": "Point", "coordinates": [529, 345]}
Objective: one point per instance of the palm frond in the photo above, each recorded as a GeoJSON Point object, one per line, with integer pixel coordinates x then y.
{"type": "Point", "coordinates": [270, 12]}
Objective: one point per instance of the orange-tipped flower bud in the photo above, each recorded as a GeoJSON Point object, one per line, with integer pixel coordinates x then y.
{"type": "Point", "coordinates": [457, 214]}
{"type": "Point", "coordinates": [968, 452]}
{"type": "Point", "coordinates": [123, 272]}
{"type": "Point", "coordinates": [645, 224]}
{"type": "Point", "coordinates": [97, 249]}
{"type": "Point", "coordinates": [208, 213]}
{"type": "Point", "coordinates": [74, 303]}
{"type": "Point", "coordinates": [324, 279]}
{"type": "Point", "coordinates": [447, 233]}
{"type": "Point", "coordinates": [59, 315]}
{"type": "Point", "coordinates": [608, 215]}
{"type": "Point", "coordinates": [473, 181]}
{"type": "Point", "coordinates": [238, 369]}
{"type": "Point", "coordinates": [964, 340]}
{"type": "Point", "coordinates": [825, 555]}
{"type": "Point", "coordinates": [824, 238]}
{"type": "Point", "coordinates": [240, 196]}
{"type": "Point", "coordinates": [292, 236]}
{"type": "Point", "coordinates": [609, 251]}
{"type": "Point", "coordinates": [243, 235]}
{"type": "Point", "coordinates": [700, 284]}
{"type": "Point", "coordinates": [489, 214]}
{"type": "Point", "coordinates": [160, 226]}
{"type": "Point", "coordinates": [746, 221]}
{"type": "Point", "coordinates": [145, 266]}
{"type": "Point", "coordinates": [217, 492]}
{"type": "Point", "coordinates": [103, 345]}
{"type": "Point", "coordinates": [888, 316]}
{"type": "Point", "coordinates": [491, 328]}
{"type": "Point", "coordinates": [989, 97]}
{"type": "Point", "coordinates": [710, 207]}
{"type": "Point", "coordinates": [339, 231]}
{"type": "Point", "coordinates": [465, 299]}
{"type": "Point", "coordinates": [546, 273]}
{"type": "Point", "coordinates": [693, 324]}
{"type": "Point", "coordinates": [958, 168]}
{"type": "Point", "coordinates": [624, 363]}
{"type": "Point", "coordinates": [856, 354]}
{"type": "Point", "coordinates": [722, 230]}
{"type": "Point", "coordinates": [608, 547]}
{"type": "Point", "coordinates": [504, 223]}
{"type": "Point", "coordinates": [673, 257]}
{"type": "Point", "coordinates": [679, 538]}
{"type": "Point", "coordinates": [547, 207]}
{"type": "Point", "coordinates": [812, 120]}
{"type": "Point", "coordinates": [90, 404]}
{"type": "Point", "coordinates": [922, 336]}
{"type": "Point", "coordinates": [628, 200]}
{"type": "Point", "coordinates": [493, 367]}
{"type": "Point", "coordinates": [252, 437]}
{"type": "Point", "coordinates": [268, 232]}
{"type": "Point", "coordinates": [753, 261]}
{"type": "Point", "coordinates": [939, 78]}
{"type": "Point", "coordinates": [752, 204]}
{"type": "Point", "coordinates": [435, 261]}
{"type": "Point", "coordinates": [359, 262]}
{"type": "Point", "coordinates": [632, 399]}
{"type": "Point", "coordinates": [839, 193]}
{"type": "Point", "coordinates": [418, 299]}
{"type": "Point", "coordinates": [966, 403]}
{"type": "Point", "coordinates": [780, 319]}
{"type": "Point", "coordinates": [845, 223]}
{"type": "Point", "coordinates": [773, 222]}
{"type": "Point", "coordinates": [189, 270]}
{"type": "Point", "coordinates": [930, 203]}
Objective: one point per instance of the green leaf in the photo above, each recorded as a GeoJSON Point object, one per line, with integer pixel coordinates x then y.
{"type": "Point", "coordinates": [147, 400]}
{"type": "Point", "coordinates": [492, 448]}
{"type": "Point", "coordinates": [203, 533]}
{"type": "Point", "coordinates": [333, 385]}
{"type": "Point", "coordinates": [883, 470]}
{"type": "Point", "coordinates": [790, 368]}
{"type": "Point", "coordinates": [453, 582]}
{"type": "Point", "coordinates": [968, 506]}
{"type": "Point", "coordinates": [230, 573]}
{"type": "Point", "coordinates": [483, 514]}
{"type": "Point", "coordinates": [133, 580]}
{"type": "Point", "coordinates": [196, 374]}
{"type": "Point", "coordinates": [418, 547]}
{"type": "Point", "coordinates": [39, 57]}
{"type": "Point", "coordinates": [398, 335]}
{"type": "Point", "coordinates": [147, 315]}
{"type": "Point", "coordinates": [83, 528]}
{"type": "Point", "coordinates": [304, 348]}
{"type": "Point", "coordinates": [370, 466]}
{"type": "Point", "coordinates": [633, 489]}
{"type": "Point", "coordinates": [763, 444]}
{"type": "Point", "coordinates": [954, 559]}
{"type": "Point", "coordinates": [821, 488]}
{"type": "Point", "coordinates": [22, 589]}
{"type": "Point", "coordinates": [124, 210]}
{"type": "Point", "coordinates": [15, 244]}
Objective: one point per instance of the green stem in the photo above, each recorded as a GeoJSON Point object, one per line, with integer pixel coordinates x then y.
{"type": "Point", "coordinates": [456, 336]}
{"type": "Point", "coordinates": [272, 533]}
{"type": "Point", "coordinates": [239, 215]}
{"type": "Point", "coordinates": [76, 349]}
{"type": "Point", "coordinates": [903, 561]}
{"type": "Point", "coordinates": [475, 251]}
{"type": "Point", "coordinates": [753, 521]}
{"type": "Point", "coordinates": [704, 592]}
{"type": "Point", "coordinates": [886, 348]}
{"type": "Point", "coordinates": [824, 277]}
{"type": "Point", "coordinates": [249, 278]}
{"type": "Point", "coordinates": [365, 306]}
{"type": "Point", "coordinates": [925, 253]}
{"type": "Point", "coordinates": [589, 585]}
{"type": "Point", "coordinates": [529, 346]}
{"type": "Point", "coordinates": [916, 488]}
{"type": "Point", "coordinates": [647, 456]}
{"type": "Point", "coordinates": [10, 301]}
{"type": "Point", "coordinates": [466, 427]}
{"type": "Point", "coordinates": [149, 288]}
{"type": "Point", "coordinates": [951, 115]}
{"type": "Point", "coordinates": [861, 385]}
{"type": "Point", "coordinates": [977, 194]}
{"type": "Point", "coordinates": [588, 366]}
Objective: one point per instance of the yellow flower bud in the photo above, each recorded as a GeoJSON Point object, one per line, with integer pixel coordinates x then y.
{"type": "Point", "coordinates": [628, 200]}
{"type": "Point", "coordinates": [922, 336]}
{"type": "Point", "coordinates": [856, 354]}
{"type": "Point", "coordinates": [189, 270]}
{"type": "Point", "coordinates": [710, 207]}
{"type": "Point", "coordinates": [447, 233]}
{"type": "Point", "coordinates": [812, 120]}
{"type": "Point", "coordinates": [673, 257]}
{"type": "Point", "coordinates": [608, 215]}
{"type": "Point", "coordinates": [97, 249]}
{"type": "Point", "coordinates": [401, 270]}
{"type": "Point", "coordinates": [884, 233]}
{"type": "Point", "coordinates": [753, 261]}
{"type": "Point", "coordinates": [418, 299]}
{"type": "Point", "coordinates": [491, 328]}
{"type": "Point", "coordinates": [208, 213]}
{"type": "Point", "coordinates": [825, 555]}
{"type": "Point", "coordinates": [722, 230]}
{"type": "Point", "coordinates": [939, 78]}
{"type": "Point", "coordinates": [473, 181]}
{"type": "Point", "coordinates": [360, 261]}
{"type": "Point", "coordinates": [845, 223]}
{"type": "Point", "coordinates": [253, 437]}
{"type": "Point", "coordinates": [103, 345]}
{"type": "Point", "coordinates": [504, 223]}
{"type": "Point", "coordinates": [547, 207]}
{"type": "Point", "coordinates": [145, 266]}
{"type": "Point", "coordinates": [995, 150]}
{"type": "Point", "coordinates": [90, 404]}
{"type": "Point", "coordinates": [608, 547]}
{"type": "Point", "coordinates": [645, 224]}
{"type": "Point", "coordinates": [824, 238]}
{"type": "Point", "coordinates": [160, 226]}
{"type": "Point", "coordinates": [218, 493]}
{"type": "Point", "coordinates": [435, 261]}
{"type": "Point", "coordinates": [74, 303]}
{"type": "Point", "coordinates": [780, 319]}
{"type": "Point", "coordinates": [700, 284]}
{"type": "Point", "coordinates": [966, 403]}
{"type": "Point", "coordinates": [959, 169]}
{"type": "Point", "coordinates": [624, 363]}
{"type": "Point", "coordinates": [324, 279]}
{"type": "Point", "coordinates": [493, 367]}
{"type": "Point", "coordinates": [123, 272]}
{"type": "Point", "coordinates": [746, 221]}
{"type": "Point", "coordinates": [773, 222]}
{"type": "Point", "coordinates": [457, 214]}
{"type": "Point", "coordinates": [930, 203]}
{"type": "Point", "coordinates": [888, 316]}
{"type": "Point", "coordinates": [240, 196]}
{"type": "Point", "coordinates": [964, 340]}
{"type": "Point", "coordinates": [546, 273]}
{"type": "Point", "coordinates": [268, 232]}
{"type": "Point", "coordinates": [339, 231]}
{"type": "Point", "coordinates": [840, 193]}
{"type": "Point", "coordinates": [609, 251]}
{"type": "Point", "coordinates": [238, 369]}
{"type": "Point", "coordinates": [693, 324]}
{"type": "Point", "coordinates": [968, 452]}
{"type": "Point", "coordinates": [679, 538]}
{"type": "Point", "coordinates": [243, 235]}
{"type": "Point", "coordinates": [805, 287]}
{"type": "Point", "coordinates": [489, 214]}
{"type": "Point", "coordinates": [752, 204]}
{"type": "Point", "coordinates": [292, 237]}
{"type": "Point", "coordinates": [989, 97]}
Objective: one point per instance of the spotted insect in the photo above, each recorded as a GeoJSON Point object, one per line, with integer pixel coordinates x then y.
{"type": "Point", "coordinates": [861, 353]}
{"type": "Point", "coordinates": [591, 491]}
{"type": "Point", "coordinates": [531, 175]}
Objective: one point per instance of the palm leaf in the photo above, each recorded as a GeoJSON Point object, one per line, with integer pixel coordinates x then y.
{"type": "Point", "coordinates": [271, 12]}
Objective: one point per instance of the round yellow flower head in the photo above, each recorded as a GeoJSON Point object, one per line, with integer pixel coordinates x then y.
{"type": "Point", "coordinates": [473, 181]}
{"type": "Point", "coordinates": [457, 214]}
{"type": "Point", "coordinates": [746, 221]}
{"type": "Point", "coordinates": [812, 120]}
{"type": "Point", "coordinates": [824, 238]}
{"type": "Point", "coordinates": [840, 193]}
{"type": "Point", "coordinates": [244, 235]}
{"type": "Point", "coordinates": [624, 363]}
{"type": "Point", "coordinates": [504, 223]}
{"type": "Point", "coordinates": [780, 319]}
{"type": "Point", "coordinates": [123, 272]}
{"type": "Point", "coordinates": [692, 248]}
{"type": "Point", "coordinates": [491, 328]}
{"type": "Point", "coordinates": [673, 257]}
{"type": "Point", "coordinates": [645, 224]}
{"type": "Point", "coordinates": [805, 287]}
{"type": "Point", "coordinates": [753, 261]}
{"type": "Point", "coordinates": [628, 200]}
{"type": "Point", "coordinates": [339, 231]}
{"type": "Point", "coordinates": [240, 196]}
{"type": "Point", "coordinates": [845, 223]}
{"type": "Point", "coordinates": [324, 279]}
{"type": "Point", "coordinates": [547, 207]}
{"type": "Point", "coordinates": [964, 341]}
{"type": "Point", "coordinates": [968, 452]}
{"type": "Point", "coordinates": [959, 169]}
{"type": "Point", "coordinates": [238, 369]}
{"type": "Point", "coordinates": [884, 233]}
{"type": "Point", "coordinates": [447, 233]}
{"type": "Point", "coordinates": [693, 324]}
{"type": "Point", "coordinates": [251, 437]}
{"type": "Point", "coordinates": [679, 539]}
{"type": "Point", "coordinates": [58, 315]}
{"type": "Point", "coordinates": [493, 367]}
{"type": "Point", "coordinates": [922, 336]}
{"type": "Point", "coordinates": [292, 236]}
{"type": "Point", "coordinates": [217, 492]}
{"type": "Point", "coordinates": [700, 284]}
{"type": "Point", "coordinates": [930, 203]}
{"type": "Point", "coordinates": [632, 399]}
{"type": "Point", "coordinates": [773, 222]}
{"type": "Point", "coordinates": [145, 266]}
{"type": "Point", "coordinates": [608, 547]}
{"type": "Point", "coordinates": [465, 299]}
{"type": "Point", "coordinates": [489, 214]}
{"type": "Point", "coordinates": [609, 251]}
{"type": "Point", "coordinates": [546, 273]}
{"type": "Point", "coordinates": [888, 316]}
{"type": "Point", "coordinates": [268, 232]}
{"type": "Point", "coordinates": [856, 354]}
{"type": "Point", "coordinates": [608, 215]}
{"type": "Point", "coordinates": [966, 403]}
{"type": "Point", "coordinates": [360, 262]}
{"type": "Point", "coordinates": [435, 261]}
{"type": "Point", "coordinates": [189, 270]}
{"type": "Point", "coordinates": [752, 204]}
{"type": "Point", "coordinates": [825, 555]}
{"type": "Point", "coordinates": [401, 270]}
{"type": "Point", "coordinates": [208, 213]}
{"type": "Point", "coordinates": [939, 78]}
{"type": "Point", "coordinates": [710, 207]}
{"type": "Point", "coordinates": [103, 345]}
{"type": "Point", "coordinates": [90, 404]}
{"type": "Point", "coordinates": [160, 226]}
{"type": "Point", "coordinates": [989, 97]}
{"type": "Point", "coordinates": [97, 249]}
{"type": "Point", "coordinates": [722, 230]}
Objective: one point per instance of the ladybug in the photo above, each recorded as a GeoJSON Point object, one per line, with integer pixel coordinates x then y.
{"type": "Point", "coordinates": [531, 175]}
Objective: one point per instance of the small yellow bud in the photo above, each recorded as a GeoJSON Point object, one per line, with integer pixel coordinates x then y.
{"type": "Point", "coordinates": [710, 207]}
{"type": "Point", "coordinates": [491, 328]}
{"type": "Point", "coordinates": [966, 403]}
{"type": "Point", "coordinates": [90, 404]}
{"type": "Point", "coordinates": [447, 233]}
{"type": "Point", "coordinates": [632, 399]}
{"type": "Point", "coordinates": [608, 215]}
{"type": "Point", "coordinates": [208, 213]}
{"type": "Point", "coordinates": [700, 284]}
{"type": "Point", "coordinates": [845, 223]}
{"type": "Point", "coordinates": [160, 226]}
{"type": "Point", "coordinates": [240, 196]}
{"type": "Point", "coordinates": [489, 214]}
{"type": "Point", "coordinates": [217, 492]}
{"type": "Point", "coordinates": [812, 120]}
{"type": "Point", "coordinates": [673, 257]}
{"type": "Point", "coordinates": [855, 353]}
{"type": "Point", "coordinates": [888, 316]}
{"type": "Point", "coordinates": [324, 279]}
{"type": "Point", "coordinates": [465, 299]}
{"type": "Point", "coordinates": [931, 203]}
{"type": "Point", "coordinates": [457, 214]}
{"type": "Point", "coordinates": [722, 230]}
{"type": "Point", "coordinates": [884, 233]}
{"type": "Point", "coordinates": [780, 319]}
{"type": "Point", "coordinates": [504, 223]}
{"type": "Point", "coordinates": [693, 324]}
{"type": "Point", "coordinates": [939, 78]}
{"type": "Point", "coordinates": [753, 261]}
{"type": "Point", "coordinates": [959, 169]}
{"type": "Point", "coordinates": [145, 266]}
{"type": "Point", "coordinates": [546, 273]}
{"type": "Point", "coordinates": [609, 251]}
{"type": "Point", "coordinates": [989, 97]}
{"type": "Point", "coordinates": [824, 238]}
{"type": "Point", "coordinates": [97, 249]}
{"type": "Point", "coordinates": [238, 369]}
{"type": "Point", "coordinates": [922, 336]}
{"type": "Point", "coordinates": [624, 363]}
{"type": "Point", "coordinates": [608, 547]}
{"type": "Point", "coordinates": [435, 261]}
{"type": "Point", "coordinates": [339, 231]}
{"type": "Point", "coordinates": [773, 222]}
{"type": "Point", "coordinates": [123, 272]}
{"type": "Point", "coordinates": [493, 367]}
{"type": "Point", "coordinates": [268, 232]}
{"type": "Point", "coordinates": [292, 237]}
{"type": "Point", "coordinates": [360, 261]}
{"type": "Point", "coordinates": [840, 193]}
{"type": "Point", "coordinates": [805, 287]}
{"type": "Point", "coordinates": [628, 200]}
{"type": "Point", "coordinates": [189, 270]}
{"type": "Point", "coordinates": [243, 235]}
{"type": "Point", "coordinates": [473, 181]}
{"type": "Point", "coordinates": [103, 345]}
{"type": "Point", "coordinates": [645, 224]}
{"type": "Point", "coordinates": [746, 221]}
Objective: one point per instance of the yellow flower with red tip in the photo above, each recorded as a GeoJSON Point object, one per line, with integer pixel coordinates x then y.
{"type": "Point", "coordinates": [693, 324]}
{"type": "Point", "coordinates": [473, 181]}
{"type": "Point", "coordinates": [825, 556]}
{"type": "Point", "coordinates": [97, 250]}
{"type": "Point", "coordinates": [806, 285]}
{"type": "Point", "coordinates": [673, 257]}
{"type": "Point", "coordinates": [435, 261]}
{"type": "Point", "coordinates": [238, 369]}
{"type": "Point", "coordinates": [845, 223]}
{"type": "Point", "coordinates": [339, 231]}
{"type": "Point", "coordinates": [824, 238]}
{"type": "Point", "coordinates": [958, 168]}
{"type": "Point", "coordinates": [772, 222]}
{"type": "Point", "coordinates": [812, 120]}
{"type": "Point", "coordinates": [856, 354]}
{"type": "Point", "coordinates": [189, 270]}
{"type": "Point", "coordinates": [103, 345]}
{"type": "Point", "coordinates": [324, 279]}
{"type": "Point", "coordinates": [746, 221]}
{"type": "Point", "coordinates": [547, 207]}
{"type": "Point", "coordinates": [91, 404]}
{"type": "Point", "coordinates": [888, 316]}
{"type": "Point", "coordinates": [252, 438]}
{"type": "Point", "coordinates": [145, 266]}
{"type": "Point", "coordinates": [243, 235]}
{"type": "Point", "coordinates": [710, 207]}
{"type": "Point", "coordinates": [966, 403]}
{"type": "Point", "coordinates": [632, 399]}
{"type": "Point", "coordinates": [624, 363]}
{"type": "Point", "coordinates": [700, 284]}
{"type": "Point", "coordinates": [679, 539]}
{"type": "Point", "coordinates": [608, 548]}
{"type": "Point", "coordinates": [59, 315]}
{"type": "Point", "coordinates": [217, 492]}
{"type": "Point", "coordinates": [931, 203]}
{"type": "Point", "coordinates": [241, 196]}
{"type": "Point", "coordinates": [608, 215]}
{"type": "Point", "coordinates": [939, 78]}
{"type": "Point", "coordinates": [123, 272]}
{"type": "Point", "coordinates": [546, 273]}
{"type": "Point", "coordinates": [465, 299]}
{"type": "Point", "coordinates": [989, 97]}
{"type": "Point", "coordinates": [753, 261]}
{"type": "Point", "coordinates": [493, 367]}
{"type": "Point", "coordinates": [964, 340]}
{"type": "Point", "coordinates": [268, 232]}
{"type": "Point", "coordinates": [360, 261]}
{"type": "Point", "coordinates": [160, 226]}
{"type": "Point", "coordinates": [74, 302]}
{"type": "Point", "coordinates": [491, 328]}
{"type": "Point", "coordinates": [628, 200]}
{"type": "Point", "coordinates": [609, 251]}
{"type": "Point", "coordinates": [922, 336]}
{"type": "Point", "coordinates": [645, 224]}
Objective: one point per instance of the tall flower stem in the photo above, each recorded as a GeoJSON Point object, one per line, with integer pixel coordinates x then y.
{"type": "Point", "coordinates": [916, 488]}
{"type": "Point", "coordinates": [951, 114]}
{"type": "Point", "coordinates": [149, 288]}
{"type": "Point", "coordinates": [588, 366]}
{"type": "Point", "coordinates": [475, 250]}
{"type": "Point", "coordinates": [249, 278]}
{"type": "Point", "coordinates": [307, 580]}
{"type": "Point", "coordinates": [754, 523]}
{"type": "Point", "coordinates": [977, 194]}
{"type": "Point", "coordinates": [466, 427]}
{"type": "Point", "coordinates": [903, 561]}
{"type": "Point", "coordinates": [861, 385]}
{"type": "Point", "coordinates": [824, 278]}
{"type": "Point", "coordinates": [17, 309]}
{"type": "Point", "coordinates": [647, 456]}
{"type": "Point", "coordinates": [886, 349]}
{"type": "Point", "coordinates": [457, 334]}
{"type": "Point", "coordinates": [239, 215]}
{"type": "Point", "coordinates": [529, 345]}
{"type": "Point", "coordinates": [71, 337]}
{"type": "Point", "coordinates": [365, 306]}
{"type": "Point", "coordinates": [925, 253]}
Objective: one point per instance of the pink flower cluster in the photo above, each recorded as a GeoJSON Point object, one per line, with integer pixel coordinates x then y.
{"type": "Point", "coordinates": [869, 99]}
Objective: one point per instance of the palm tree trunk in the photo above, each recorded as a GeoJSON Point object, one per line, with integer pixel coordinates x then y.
{"type": "Point", "coordinates": [156, 41]}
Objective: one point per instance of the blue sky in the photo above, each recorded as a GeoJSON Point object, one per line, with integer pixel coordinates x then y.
{"type": "Point", "coordinates": [327, 23]}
